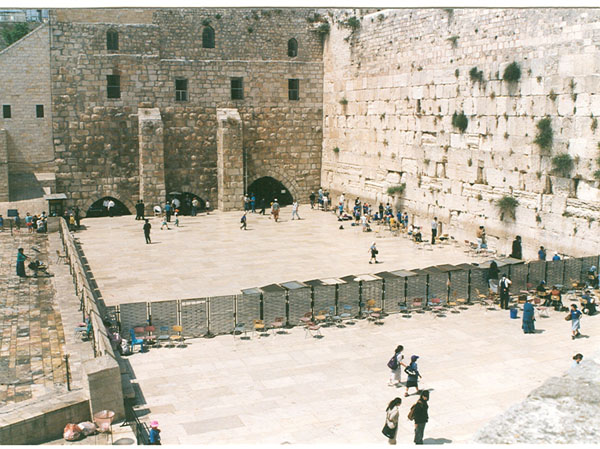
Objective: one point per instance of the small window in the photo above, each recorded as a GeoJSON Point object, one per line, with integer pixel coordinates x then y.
{"type": "Point", "coordinates": [39, 110]}
{"type": "Point", "coordinates": [293, 89]}
{"type": "Point", "coordinates": [208, 37]}
{"type": "Point", "coordinates": [112, 40]}
{"type": "Point", "coordinates": [113, 86]}
{"type": "Point", "coordinates": [6, 111]}
{"type": "Point", "coordinates": [237, 88]}
{"type": "Point", "coordinates": [292, 48]}
{"type": "Point", "coordinates": [181, 90]}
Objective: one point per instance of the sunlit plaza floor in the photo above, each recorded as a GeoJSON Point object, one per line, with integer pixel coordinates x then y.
{"type": "Point", "coordinates": [208, 255]}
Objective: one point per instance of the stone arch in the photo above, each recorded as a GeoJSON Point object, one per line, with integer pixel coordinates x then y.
{"type": "Point", "coordinates": [126, 201]}
{"type": "Point", "coordinates": [277, 174]}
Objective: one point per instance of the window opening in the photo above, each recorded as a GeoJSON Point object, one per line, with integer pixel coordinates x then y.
{"type": "Point", "coordinates": [293, 89]}
{"type": "Point", "coordinates": [208, 37]}
{"type": "Point", "coordinates": [292, 48]}
{"type": "Point", "coordinates": [181, 90]}
{"type": "Point", "coordinates": [113, 86]}
{"type": "Point", "coordinates": [6, 111]}
{"type": "Point", "coordinates": [39, 110]}
{"type": "Point", "coordinates": [112, 40]}
{"type": "Point", "coordinates": [237, 88]}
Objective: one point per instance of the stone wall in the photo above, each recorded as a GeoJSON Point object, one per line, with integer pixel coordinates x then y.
{"type": "Point", "coordinates": [25, 73]}
{"type": "Point", "coordinates": [4, 192]}
{"type": "Point", "coordinates": [97, 138]}
{"type": "Point", "coordinates": [392, 86]}
{"type": "Point", "coordinates": [152, 157]}
{"type": "Point", "coordinates": [230, 159]}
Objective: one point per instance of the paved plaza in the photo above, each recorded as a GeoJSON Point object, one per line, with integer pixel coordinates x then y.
{"type": "Point", "coordinates": [289, 388]}
{"type": "Point", "coordinates": [208, 255]}
{"type": "Point", "coordinates": [31, 332]}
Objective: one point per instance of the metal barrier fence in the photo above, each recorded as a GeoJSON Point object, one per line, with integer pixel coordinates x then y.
{"type": "Point", "coordinates": [392, 291]}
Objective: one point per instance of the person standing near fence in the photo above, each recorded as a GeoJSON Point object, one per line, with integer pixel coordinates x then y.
{"type": "Point", "coordinates": [147, 227]}
{"type": "Point", "coordinates": [434, 227]}
{"type": "Point", "coordinates": [154, 436]}
{"type": "Point", "coordinates": [503, 287]}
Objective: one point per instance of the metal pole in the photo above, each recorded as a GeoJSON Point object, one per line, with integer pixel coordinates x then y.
{"type": "Point", "coordinates": [68, 373]}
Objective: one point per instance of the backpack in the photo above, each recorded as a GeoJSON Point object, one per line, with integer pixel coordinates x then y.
{"type": "Point", "coordinates": [393, 363]}
{"type": "Point", "coordinates": [411, 413]}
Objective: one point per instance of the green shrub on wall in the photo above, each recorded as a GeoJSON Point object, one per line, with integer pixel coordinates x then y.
{"type": "Point", "coordinates": [512, 73]}
{"type": "Point", "coordinates": [460, 121]}
{"type": "Point", "coordinates": [545, 135]}
{"type": "Point", "coordinates": [507, 205]}
{"type": "Point", "coordinates": [562, 164]}
{"type": "Point", "coordinates": [396, 190]}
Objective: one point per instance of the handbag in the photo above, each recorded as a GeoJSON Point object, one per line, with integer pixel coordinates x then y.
{"type": "Point", "coordinates": [568, 317]}
{"type": "Point", "coordinates": [389, 432]}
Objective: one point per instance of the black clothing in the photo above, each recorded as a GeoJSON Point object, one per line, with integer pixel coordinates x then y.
{"type": "Point", "coordinates": [493, 271]}
{"type": "Point", "coordinates": [262, 206]}
{"type": "Point", "coordinates": [504, 297]}
{"type": "Point", "coordinates": [517, 251]}
{"type": "Point", "coordinates": [147, 227]}
{"type": "Point", "coordinates": [420, 413]}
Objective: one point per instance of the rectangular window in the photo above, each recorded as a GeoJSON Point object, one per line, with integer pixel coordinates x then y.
{"type": "Point", "coordinates": [6, 111]}
{"type": "Point", "coordinates": [293, 89]}
{"type": "Point", "coordinates": [181, 90]}
{"type": "Point", "coordinates": [237, 88]}
{"type": "Point", "coordinates": [39, 110]}
{"type": "Point", "coordinates": [113, 86]}
{"type": "Point", "coordinates": [112, 40]}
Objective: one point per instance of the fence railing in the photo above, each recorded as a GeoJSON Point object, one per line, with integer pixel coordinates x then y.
{"type": "Point", "coordinates": [99, 335]}
{"type": "Point", "coordinates": [393, 291]}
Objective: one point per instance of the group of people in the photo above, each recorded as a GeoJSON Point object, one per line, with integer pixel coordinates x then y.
{"type": "Point", "coordinates": [323, 199]}
{"type": "Point", "coordinates": [33, 223]}
{"type": "Point", "coordinates": [419, 411]}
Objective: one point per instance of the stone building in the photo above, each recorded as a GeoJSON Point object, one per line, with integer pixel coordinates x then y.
{"type": "Point", "coordinates": [143, 102]}
{"type": "Point", "coordinates": [136, 94]}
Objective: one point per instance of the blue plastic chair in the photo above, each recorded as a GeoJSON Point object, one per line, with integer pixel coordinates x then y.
{"type": "Point", "coordinates": [136, 341]}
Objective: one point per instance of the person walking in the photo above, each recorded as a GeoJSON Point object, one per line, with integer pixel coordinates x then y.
{"type": "Point", "coordinates": [207, 206]}
{"type": "Point", "coordinates": [275, 210]}
{"type": "Point", "coordinates": [77, 215]}
{"type": "Point", "coordinates": [147, 227]}
{"type": "Point", "coordinates": [420, 414]}
{"type": "Point", "coordinates": [413, 374]}
{"type": "Point", "coordinates": [262, 205]}
{"type": "Point", "coordinates": [195, 204]}
{"type": "Point", "coordinates": [373, 250]}
{"type": "Point", "coordinates": [253, 203]}
{"type": "Point", "coordinates": [168, 210]}
{"type": "Point", "coordinates": [312, 200]}
{"type": "Point", "coordinates": [528, 317]}
{"type": "Point", "coordinates": [176, 215]}
{"type": "Point", "coordinates": [575, 317]}
{"type": "Point", "coordinates": [138, 212]}
{"type": "Point", "coordinates": [295, 210]}
{"type": "Point", "coordinates": [246, 202]}
{"type": "Point", "coordinates": [395, 365]}
{"type": "Point", "coordinates": [164, 223]}
{"type": "Point", "coordinates": [243, 221]}
{"type": "Point", "coordinates": [392, 413]}
{"type": "Point", "coordinates": [434, 226]}
{"type": "Point", "coordinates": [21, 258]}
{"type": "Point", "coordinates": [503, 287]}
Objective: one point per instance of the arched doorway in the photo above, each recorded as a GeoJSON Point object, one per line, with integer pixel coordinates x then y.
{"type": "Point", "coordinates": [185, 201]}
{"type": "Point", "coordinates": [98, 208]}
{"type": "Point", "coordinates": [269, 189]}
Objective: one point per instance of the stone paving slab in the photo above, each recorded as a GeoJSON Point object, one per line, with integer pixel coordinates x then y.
{"type": "Point", "coordinates": [289, 388]}
{"type": "Point", "coordinates": [209, 255]}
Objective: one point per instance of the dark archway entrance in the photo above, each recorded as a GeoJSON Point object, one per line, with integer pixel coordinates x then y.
{"type": "Point", "coordinates": [98, 208]}
{"type": "Point", "coordinates": [185, 201]}
{"type": "Point", "coordinates": [269, 189]}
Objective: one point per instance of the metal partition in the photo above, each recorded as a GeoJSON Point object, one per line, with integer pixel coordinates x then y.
{"type": "Point", "coordinates": [518, 276]}
{"type": "Point", "coordinates": [324, 297]}
{"type": "Point", "coordinates": [573, 269]}
{"type": "Point", "coordinates": [459, 281]}
{"type": "Point", "coordinates": [274, 302]}
{"type": "Point", "coordinates": [537, 272]}
{"type": "Point", "coordinates": [348, 295]}
{"type": "Point", "coordinates": [248, 307]}
{"type": "Point", "coordinates": [194, 318]}
{"type": "Point", "coordinates": [416, 287]}
{"type": "Point", "coordinates": [393, 288]}
{"type": "Point", "coordinates": [438, 284]}
{"type": "Point", "coordinates": [554, 272]}
{"type": "Point", "coordinates": [132, 314]}
{"type": "Point", "coordinates": [586, 264]}
{"type": "Point", "coordinates": [372, 289]}
{"type": "Point", "coordinates": [221, 314]}
{"type": "Point", "coordinates": [299, 299]}
{"type": "Point", "coordinates": [479, 282]}
{"type": "Point", "coordinates": [164, 313]}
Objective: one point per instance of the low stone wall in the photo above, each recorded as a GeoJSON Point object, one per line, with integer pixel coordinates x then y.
{"type": "Point", "coordinates": [39, 420]}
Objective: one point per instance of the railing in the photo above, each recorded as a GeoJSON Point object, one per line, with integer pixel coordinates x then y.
{"type": "Point", "coordinates": [394, 292]}
{"type": "Point", "coordinates": [100, 338]}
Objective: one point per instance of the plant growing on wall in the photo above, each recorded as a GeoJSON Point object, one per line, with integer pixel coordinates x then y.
{"type": "Point", "coordinates": [552, 95]}
{"type": "Point", "coordinates": [397, 189]}
{"type": "Point", "coordinates": [512, 73]}
{"type": "Point", "coordinates": [206, 22]}
{"type": "Point", "coordinates": [507, 205]}
{"type": "Point", "coordinates": [562, 164]}
{"type": "Point", "coordinates": [336, 150]}
{"type": "Point", "coordinates": [453, 41]}
{"type": "Point", "coordinates": [545, 134]}
{"type": "Point", "coordinates": [476, 75]}
{"type": "Point", "coordinates": [344, 101]}
{"type": "Point", "coordinates": [352, 22]}
{"type": "Point", "coordinates": [460, 121]}
{"type": "Point", "coordinates": [12, 34]}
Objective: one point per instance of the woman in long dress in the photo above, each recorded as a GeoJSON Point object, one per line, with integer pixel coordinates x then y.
{"type": "Point", "coordinates": [21, 258]}
{"type": "Point", "coordinates": [528, 317]}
